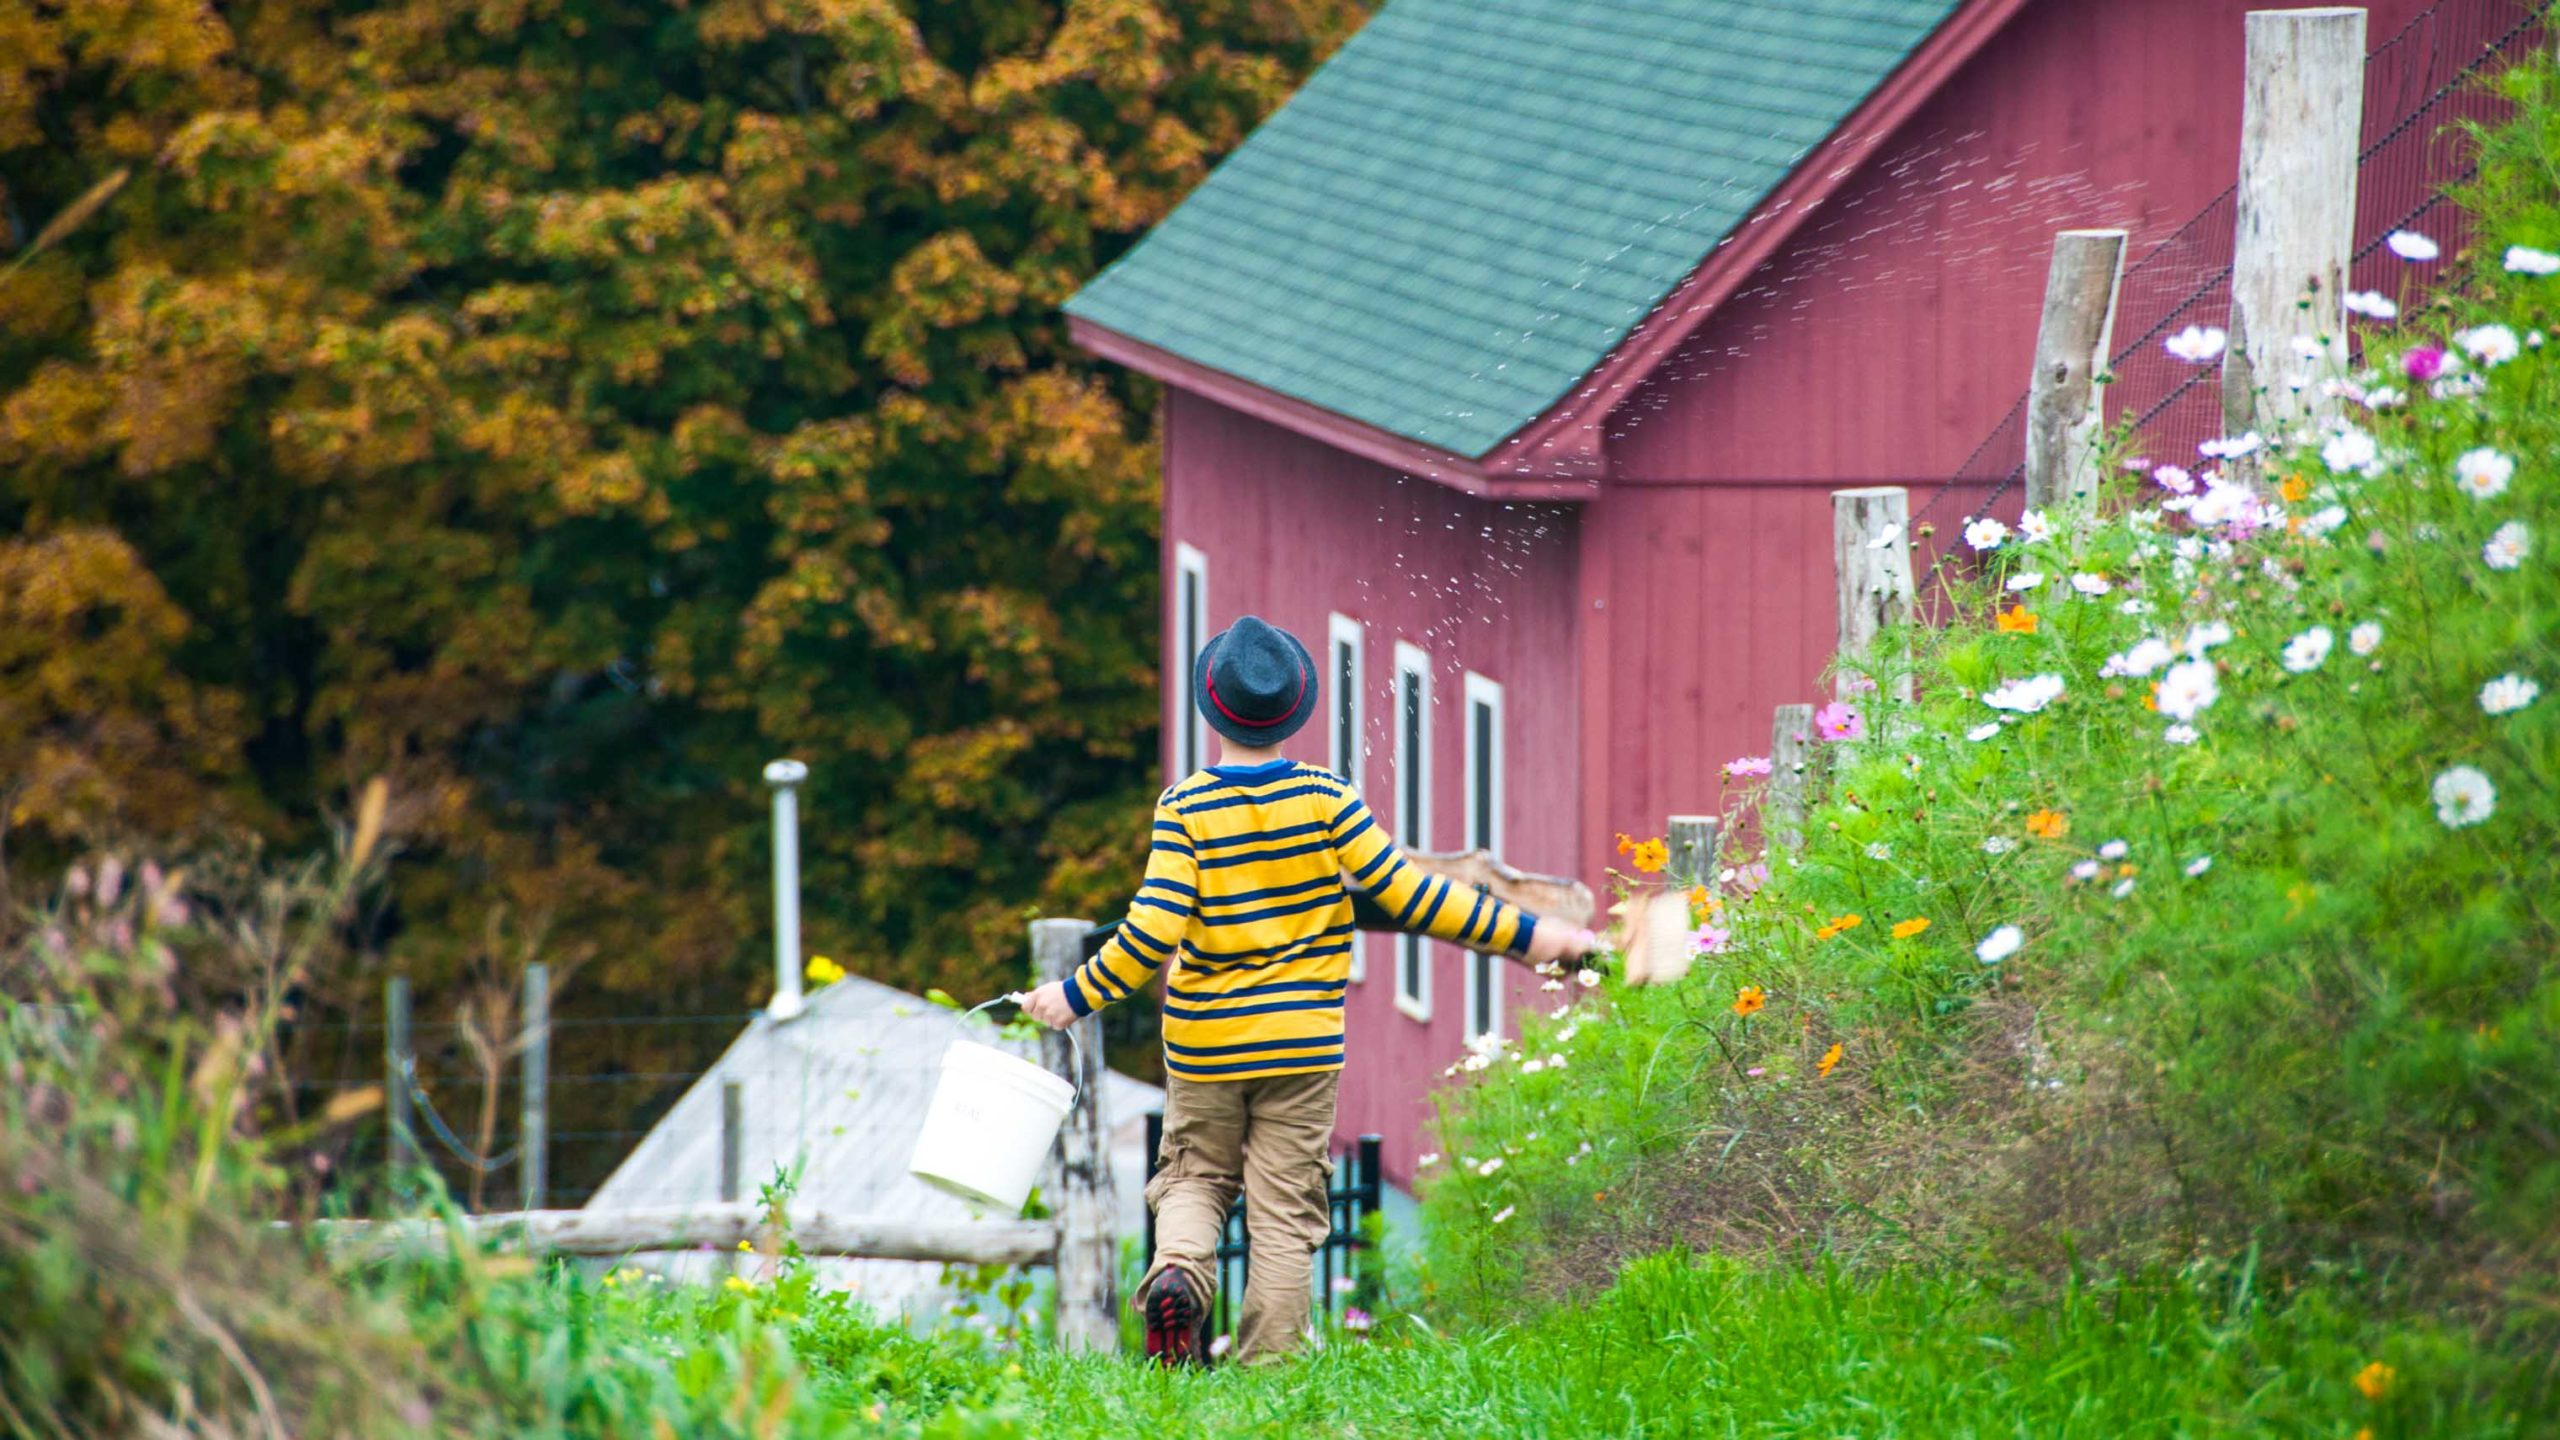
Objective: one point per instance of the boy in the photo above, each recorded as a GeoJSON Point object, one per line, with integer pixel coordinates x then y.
{"type": "Point", "coordinates": [1248, 900]}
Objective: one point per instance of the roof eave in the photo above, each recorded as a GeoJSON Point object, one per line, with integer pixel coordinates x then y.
{"type": "Point", "coordinates": [1566, 438]}
{"type": "Point", "coordinates": [1413, 457]}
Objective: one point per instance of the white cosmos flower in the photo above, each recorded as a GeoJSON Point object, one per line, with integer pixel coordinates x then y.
{"type": "Point", "coordinates": [1505, 1213]}
{"type": "Point", "coordinates": [2232, 447]}
{"type": "Point", "coordinates": [2307, 651]}
{"type": "Point", "coordinates": [2491, 345]}
{"type": "Point", "coordinates": [2525, 260]}
{"type": "Point", "coordinates": [2026, 580]}
{"type": "Point", "coordinates": [2507, 546]}
{"type": "Point", "coordinates": [2188, 689]}
{"type": "Point", "coordinates": [2411, 246]}
{"type": "Point", "coordinates": [1587, 979]}
{"type": "Point", "coordinates": [2351, 451]}
{"type": "Point", "coordinates": [2174, 479]}
{"type": "Point", "coordinates": [2463, 797]}
{"type": "Point", "coordinates": [2085, 870]}
{"type": "Point", "coordinates": [2026, 697]}
{"type": "Point", "coordinates": [1985, 534]}
{"type": "Point", "coordinates": [1431, 1159]}
{"type": "Point", "coordinates": [2147, 655]}
{"type": "Point", "coordinates": [2483, 473]}
{"type": "Point", "coordinates": [2383, 397]}
{"type": "Point", "coordinates": [1998, 845]}
{"type": "Point", "coordinates": [2134, 605]}
{"type": "Point", "coordinates": [2088, 584]}
{"type": "Point", "coordinates": [2199, 865]}
{"type": "Point", "coordinates": [2113, 850]}
{"type": "Point", "coordinates": [2205, 636]}
{"type": "Point", "coordinates": [2122, 888]}
{"type": "Point", "coordinates": [2000, 944]}
{"type": "Point", "coordinates": [2371, 303]}
{"type": "Point", "coordinates": [2034, 527]}
{"type": "Point", "coordinates": [2197, 343]}
{"type": "Point", "coordinates": [2507, 694]}
{"type": "Point", "coordinates": [1489, 1166]}
{"type": "Point", "coordinates": [2180, 735]}
{"type": "Point", "coordinates": [1983, 731]}
{"type": "Point", "coordinates": [2325, 519]}
{"type": "Point", "coordinates": [2365, 638]}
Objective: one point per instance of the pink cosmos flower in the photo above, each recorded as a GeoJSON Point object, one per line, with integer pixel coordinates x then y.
{"type": "Point", "coordinates": [1710, 939]}
{"type": "Point", "coordinates": [2424, 363]}
{"type": "Point", "coordinates": [1355, 1319]}
{"type": "Point", "coordinates": [1747, 765]}
{"type": "Point", "coordinates": [1836, 721]}
{"type": "Point", "coordinates": [1747, 879]}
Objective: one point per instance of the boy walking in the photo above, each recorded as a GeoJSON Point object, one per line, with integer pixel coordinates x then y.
{"type": "Point", "coordinates": [1247, 907]}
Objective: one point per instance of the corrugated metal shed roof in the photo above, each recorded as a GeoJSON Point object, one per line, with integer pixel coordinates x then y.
{"type": "Point", "coordinates": [841, 1090]}
{"type": "Point", "coordinates": [1461, 213]}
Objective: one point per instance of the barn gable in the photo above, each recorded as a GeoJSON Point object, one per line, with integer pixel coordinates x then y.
{"type": "Point", "coordinates": [1466, 209]}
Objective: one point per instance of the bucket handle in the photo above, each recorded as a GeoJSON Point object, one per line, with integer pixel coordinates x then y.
{"type": "Point", "coordinates": [1073, 1045]}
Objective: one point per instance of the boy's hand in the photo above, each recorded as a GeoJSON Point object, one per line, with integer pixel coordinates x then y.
{"type": "Point", "coordinates": [1049, 1006]}
{"type": "Point", "coordinates": [1556, 944]}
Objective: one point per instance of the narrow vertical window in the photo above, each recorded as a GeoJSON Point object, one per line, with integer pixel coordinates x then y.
{"type": "Point", "coordinates": [1413, 811]}
{"type": "Point", "coordinates": [1484, 832]}
{"type": "Point", "coordinates": [1347, 642]}
{"type": "Point", "coordinates": [1191, 632]}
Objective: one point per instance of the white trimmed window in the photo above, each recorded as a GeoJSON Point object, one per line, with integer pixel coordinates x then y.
{"type": "Point", "coordinates": [1345, 650]}
{"type": "Point", "coordinates": [1484, 775]}
{"type": "Point", "coordinates": [1413, 811]}
{"type": "Point", "coordinates": [1190, 634]}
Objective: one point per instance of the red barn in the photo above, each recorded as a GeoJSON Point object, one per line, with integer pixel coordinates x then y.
{"type": "Point", "coordinates": [1512, 361]}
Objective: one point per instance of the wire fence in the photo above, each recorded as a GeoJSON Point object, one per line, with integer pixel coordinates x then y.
{"type": "Point", "coordinates": [2422, 84]}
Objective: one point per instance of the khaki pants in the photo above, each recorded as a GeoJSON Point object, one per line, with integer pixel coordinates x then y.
{"type": "Point", "coordinates": [1273, 1138]}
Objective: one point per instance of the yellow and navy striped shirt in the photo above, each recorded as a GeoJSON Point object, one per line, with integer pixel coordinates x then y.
{"type": "Point", "coordinates": [1248, 896]}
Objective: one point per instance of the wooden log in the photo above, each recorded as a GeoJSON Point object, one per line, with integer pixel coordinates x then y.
{"type": "Point", "coordinates": [1871, 558]}
{"type": "Point", "coordinates": [1790, 752]}
{"type": "Point", "coordinates": [2300, 118]}
{"type": "Point", "coordinates": [1692, 840]}
{"type": "Point", "coordinates": [2065, 398]}
{"type": "Point", "coordinates": [1088, 1245]}
{"type": "Point", "coordinates": [817, 1230]}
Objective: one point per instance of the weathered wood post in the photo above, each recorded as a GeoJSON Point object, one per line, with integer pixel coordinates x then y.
{"type": "Point", "coordinates": [399, 1113]}
{"type": "Point", "coordinates": [2065, 397]}
{"type": "Point", "coordinates": [733, 1139]}
{"type": "Point", "coordinates": [1692, 842]}
{"type": "Point", "coordinates": [1871, 555]}
{"type": "Point", "coordinates": [1088, 1249]}
{"type": "Point", "coordinates": [1790, 751]}
{"type": "Point", "coordinates": [2300, 120]}
{"type": "Point", "coordinates": [536, 1058]}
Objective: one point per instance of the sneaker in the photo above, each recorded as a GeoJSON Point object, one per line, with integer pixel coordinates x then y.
{"type": "Point", "coordinates": [1177, 1321]}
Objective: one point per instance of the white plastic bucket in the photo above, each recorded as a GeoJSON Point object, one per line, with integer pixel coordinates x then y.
{"type": "Point", "coordinates": [989, 1128]}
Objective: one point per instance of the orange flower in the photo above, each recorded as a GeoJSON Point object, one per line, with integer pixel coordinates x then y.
{"type": "Point", "coordinates": [2017, 620]}
{"type": "Point", "coordinates": [1749, 1000]}
{"type": "Point", "coordinates": [1626, 842]}
{"type": "Point", "coordinates": [2374, 1380]}
{"type": "Point", "coordinates": [1910, 927]}
{"type": "Point", "coordinates": [2048, 825]}
{"type": "Point", "coordinates": [1650, 856]}
{"type": "Point", "coordinates": [2151, 698]}
{"type": "Point", "coordinates": [1830, 1059]}
{"type": "Point", "coordinates": [2295, 489]}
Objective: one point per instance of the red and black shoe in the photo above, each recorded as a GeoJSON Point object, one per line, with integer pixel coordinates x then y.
{"type": "Point", "coordinates": [1177, 1321]}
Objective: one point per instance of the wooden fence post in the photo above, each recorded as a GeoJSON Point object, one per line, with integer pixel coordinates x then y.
{"type": "Point", "coordinates": [1871, 556]}
{"type": "Point", "coordinates": [536, 1058]}
{"type": "Point", "coordinates": [2065, 398]}
{"type": "Point", "coordinates": [399, 1112]}
{"type": "Point", "coordinates": [1790, 750]}
{"type": "Point", "coordinates": [2300, 120]}
{"type": "Point", "coordinates": [733, 1139]}
{"type": "Point", "coordinates": [1692, 841]}
{"type": "Point", "coordinates": [1088, 1247]}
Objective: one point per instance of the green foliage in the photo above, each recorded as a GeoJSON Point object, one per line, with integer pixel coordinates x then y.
{"type": "Point", "coordinates": [563, 409]}
{"type": "Point", "coordinates": [2272, 992]}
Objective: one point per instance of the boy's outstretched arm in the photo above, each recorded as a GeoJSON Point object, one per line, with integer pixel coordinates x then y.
{"type": "Point", "coordinates": [1144, 941]}
{"type": "Point", "coordinates": [1375, 866]}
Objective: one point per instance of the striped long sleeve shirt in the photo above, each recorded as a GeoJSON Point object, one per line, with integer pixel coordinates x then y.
{"type": "Point", "coordinates": [1247, 907]}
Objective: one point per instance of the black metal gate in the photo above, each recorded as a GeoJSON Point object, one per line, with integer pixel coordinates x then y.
{"type": "Point", "coordinates": [1351, 1198]}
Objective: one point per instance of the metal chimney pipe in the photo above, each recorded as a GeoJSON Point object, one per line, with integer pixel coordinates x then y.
{"type": "Point", "coordinates": [785, 777]}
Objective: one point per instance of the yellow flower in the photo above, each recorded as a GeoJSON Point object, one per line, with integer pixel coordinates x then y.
{"type": "Point", "coordinates": [2017, 620]}
{"type": "Point", "coordinates": [735, 1283]}
{"type": "Point", "coordinates": [1650, 856]}
{"type": "Point", "coordinates": [2048, 825]}
{"type": "Point", "coordinates": [2295, 489]}
{"type": "Point", "coordinates": [2374, 1380]}
{"type": "Point", "coordinates": [747, 1246]}
{"type": "Point", "coordinates": [1849, 922]}
{"type": "Point", "coordinates": [1910, 927]}
{"type": "Point", "coordinates": [1830, 1060]}
{"type": "Point", "coordinates": [823, 970]}
{"type": "Point", "coordinates": [1749, 1000]}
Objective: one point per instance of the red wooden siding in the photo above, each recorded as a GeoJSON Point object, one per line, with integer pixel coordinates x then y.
{"type": "Point", "coordinates": [1294, 531]}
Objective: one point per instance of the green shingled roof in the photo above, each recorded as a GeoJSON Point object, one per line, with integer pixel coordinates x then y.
{"type": "Point", "coordinates": [1463, 211]}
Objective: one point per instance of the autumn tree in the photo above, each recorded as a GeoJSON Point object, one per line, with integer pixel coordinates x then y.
{"type": "Point", "coordinates": [561, 407]}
